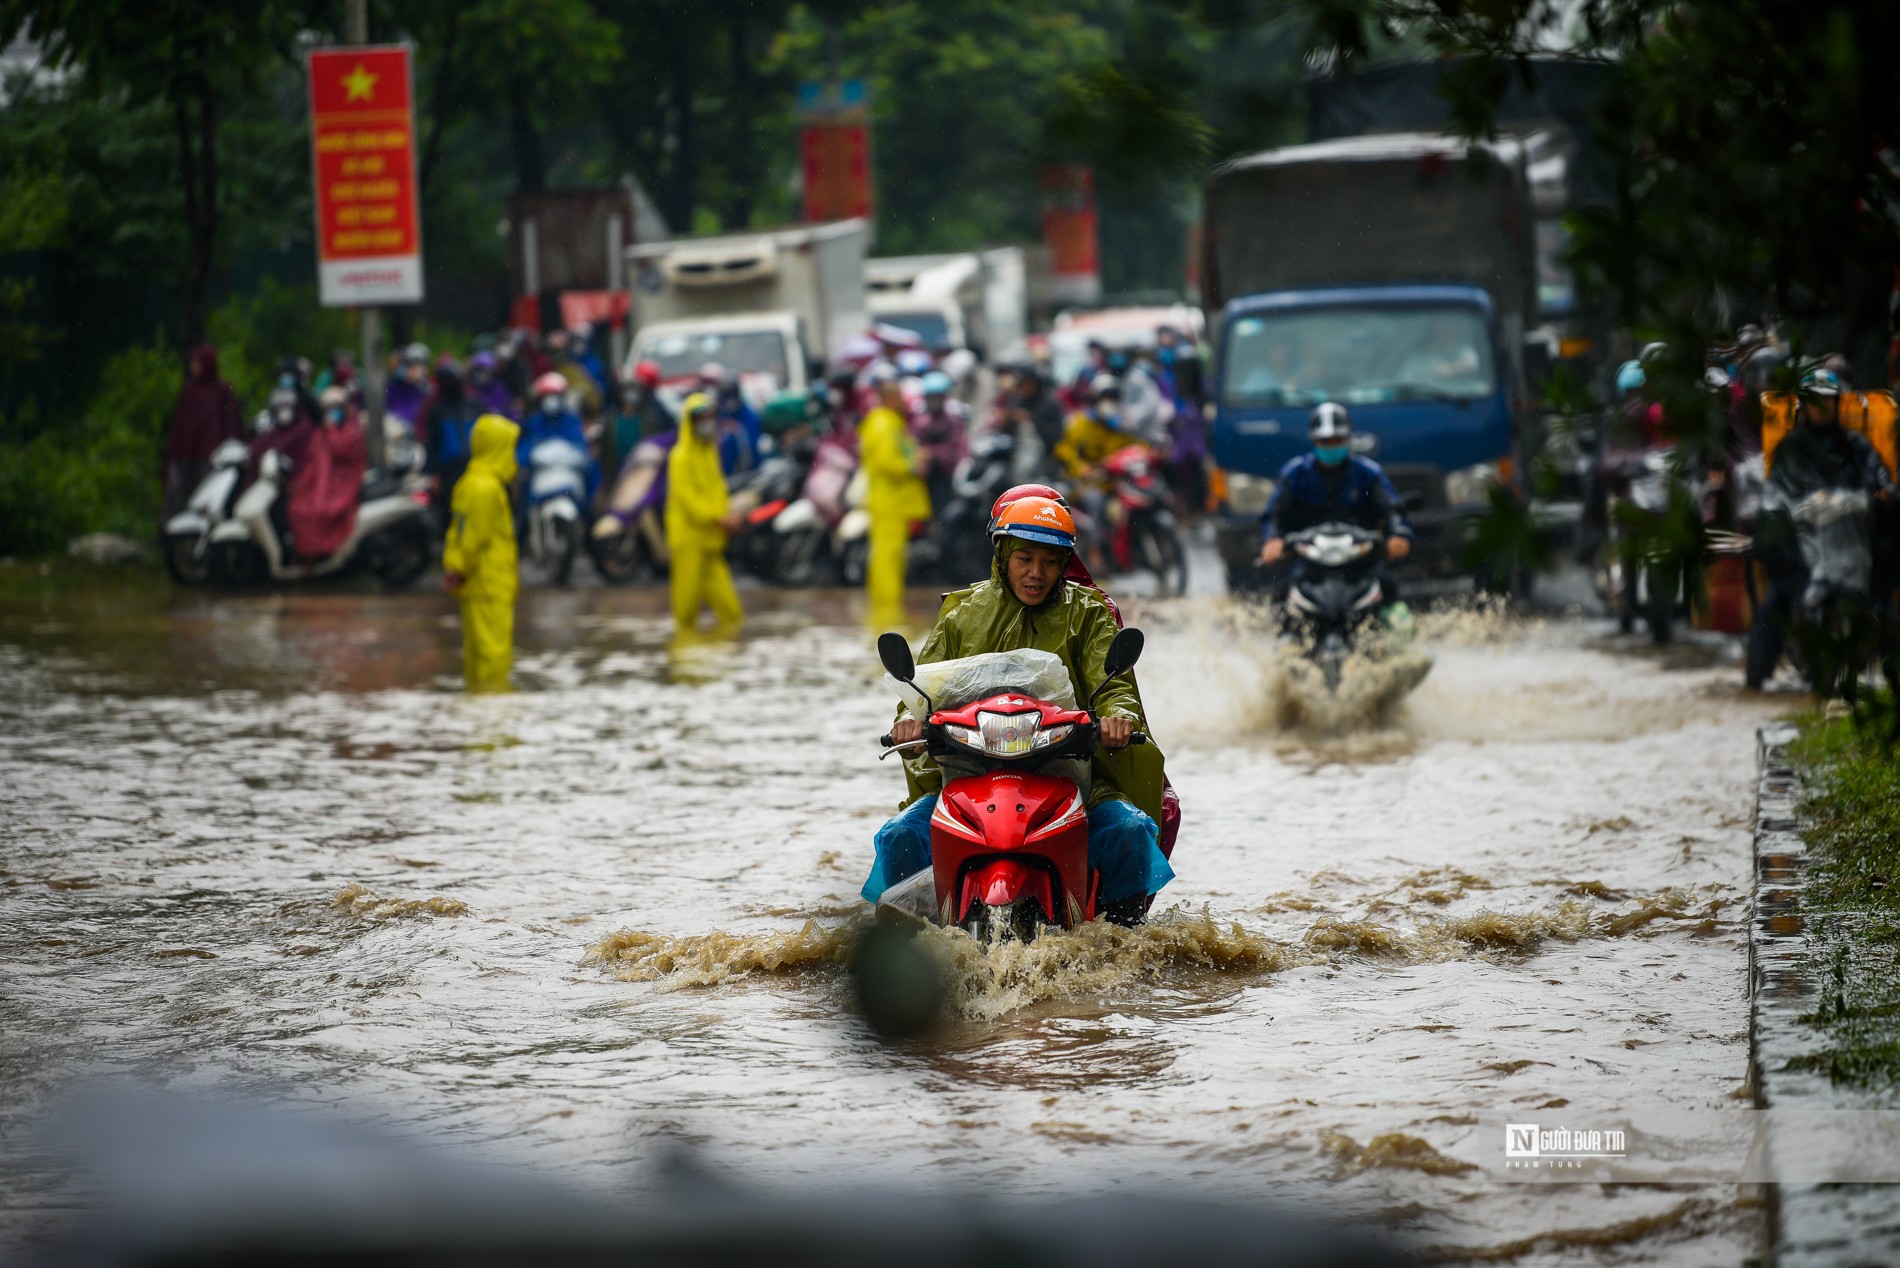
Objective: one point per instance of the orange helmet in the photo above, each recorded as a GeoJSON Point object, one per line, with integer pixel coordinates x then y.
{"type": "Point", "coordinates": [1044, 521]}
{"type": "Point", "coordinates": [1009, 497]}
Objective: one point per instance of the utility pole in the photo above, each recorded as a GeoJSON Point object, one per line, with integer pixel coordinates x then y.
{"type": "Point", "coordinates": [371, 318]}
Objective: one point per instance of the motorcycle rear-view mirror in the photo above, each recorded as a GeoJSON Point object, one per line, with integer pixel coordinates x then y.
{"type": "Point", "coordinates": [1123, 652]}
{"type": "Point", "coordinates": [894, 652]}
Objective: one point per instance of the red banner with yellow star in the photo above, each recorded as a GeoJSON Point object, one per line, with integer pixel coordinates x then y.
{"type": "Point", "coordinates": [363, 157]}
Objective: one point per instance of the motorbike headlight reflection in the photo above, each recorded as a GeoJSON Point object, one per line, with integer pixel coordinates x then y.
{"type": "Point", "coordinates": [1471, 486]}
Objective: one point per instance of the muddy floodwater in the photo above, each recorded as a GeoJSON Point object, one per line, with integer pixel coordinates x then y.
{"type": "Point", "coordinates": [263, 842]}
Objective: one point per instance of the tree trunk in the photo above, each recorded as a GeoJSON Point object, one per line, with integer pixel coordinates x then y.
{"type": "Point", "coordinates": [439, 97]}
{"type": "Point", "coordinates": [743, 137]}
{"type": "Point", "coordinates": [198, 167]}
{"type": "Point", "coordinates": [531, 165]}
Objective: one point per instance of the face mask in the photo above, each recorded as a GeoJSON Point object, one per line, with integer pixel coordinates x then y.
{"type": "Point", "coordinates": [1109, 411]}
{"type": "Point", "coordinates": [286, 379]}
{"type": "Point", "coordinates": [550, 405]}
{"type": "Point", "coordinates": [1165, 356]}
{"type": "Point", "coordinates": [704, 424]}
{"type": "Point", "coordinates": [336, 416]}
{"type": "Point", "coordinates": [1331, 455]}
{"type": "Point", "coordinates": [283, 417]}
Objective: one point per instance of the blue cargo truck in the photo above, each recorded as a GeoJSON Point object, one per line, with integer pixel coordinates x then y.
{"type": "Point", "coordinates": [1396, 275]}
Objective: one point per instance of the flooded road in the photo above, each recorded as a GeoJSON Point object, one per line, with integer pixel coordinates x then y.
{"type": "Point", "coordinates": [263, 842]}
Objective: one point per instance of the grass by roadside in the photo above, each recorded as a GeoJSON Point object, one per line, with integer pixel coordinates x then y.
{"type": "Point", "coordinates": [24, 577]}
{"type": "Point", "coordinates": [1851, 898]}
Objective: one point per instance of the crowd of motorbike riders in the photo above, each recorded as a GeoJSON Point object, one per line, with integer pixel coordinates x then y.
{"type": "Point", "coordinates": [1796, 475]}
{"type": "Point", "coordinates": [595, 449]}
{"type": "Point", "coordinates": [1782, 463]}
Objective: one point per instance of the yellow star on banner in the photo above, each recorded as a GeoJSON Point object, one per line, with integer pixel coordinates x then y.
{"type": "Point", "coordinates": [360, 84]}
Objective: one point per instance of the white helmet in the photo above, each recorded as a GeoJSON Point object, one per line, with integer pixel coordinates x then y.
{"type": "Point", "coordinates": [1328, 423]}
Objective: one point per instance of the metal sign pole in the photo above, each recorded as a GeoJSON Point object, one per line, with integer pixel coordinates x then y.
{"type": "Point", "coordinates": [371, 318]}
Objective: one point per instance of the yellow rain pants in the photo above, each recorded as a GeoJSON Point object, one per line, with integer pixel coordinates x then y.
{"type": "Point", "coordinates": [696, 508]}
{"type": "Point", "coordinates": [481, 547]}
{"type": "Point", "coordinates": [897, 497]}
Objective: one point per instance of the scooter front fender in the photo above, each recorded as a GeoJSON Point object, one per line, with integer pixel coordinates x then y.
{"type": "Point", "coordinates": [1004, 881]}
{"type": "Point", "coordinates": [186, 524]}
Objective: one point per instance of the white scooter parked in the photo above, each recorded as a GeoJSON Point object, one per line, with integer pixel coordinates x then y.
{"type": "Point", "coordinates": [557, 490]}
{"type": "Point", "coordinates": [188, 533]}
{"type": "Point", "coordinates": [391, 534]}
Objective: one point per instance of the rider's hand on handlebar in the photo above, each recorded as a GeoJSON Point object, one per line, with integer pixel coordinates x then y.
{"type": "Point", "coordinates": [1397, 547]}
{"type": "Point", "coordinates": [1273, 550]}
{"type": "Point", "coordinates": [1116, 732]}
{"type": "Point", "coordinates": [906, 731]}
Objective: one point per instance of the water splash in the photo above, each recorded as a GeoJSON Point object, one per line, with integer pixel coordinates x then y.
{"type": "Point", "coordinates": [365, 903]}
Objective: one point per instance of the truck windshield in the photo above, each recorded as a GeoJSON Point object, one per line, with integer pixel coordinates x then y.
{"type": "Point", "coordinates": [1360, 356]}
{"type": "Point", "coordinates": [741, 352]}
{"type": "Point", "coordinates": [932, 328]}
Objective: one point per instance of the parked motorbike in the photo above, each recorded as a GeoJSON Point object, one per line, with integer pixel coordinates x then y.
{"type": "Point", "coordinates": [954, 548]}
{"type": "Point", "coordinates": [1335, 593]}
{"type": "Point", "coordinates": [628, 541]}
{"type": "Point", "coordinates": [391, 534]}
{"type": "Point", "coordinates": [1655, 528]}
{"type": "Point", "coordinates": [1144, 534]}
{"type": "Point", "coordinates": [1834, 535]}
{"type": "Point", "coordinates": [783, 537]}
{"type": "Point", "coordinates": [188, 533]}
{"type": "Point", "coordinates": [556, 494]}
{"type": "Point", "coordinates": [1009, 842]}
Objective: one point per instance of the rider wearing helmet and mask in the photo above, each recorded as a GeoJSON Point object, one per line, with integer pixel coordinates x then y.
{"type": "Point", "coordinates": [699, 521]}
{"type": "Point", "coordinates": [942, 435]}
{"type": "Point", "coordinates": [1334, 485]}
{"type": "Point", "coordinates": [550, 418]}
{"type": "Point", "coordinates": [637, 413]}
{"type": "Point", "coordinates": [1095, 433]}
{"type": "Point", "coordinates": [1819, 453]}
{"type": "Point", "coordinates": [1029, 603]}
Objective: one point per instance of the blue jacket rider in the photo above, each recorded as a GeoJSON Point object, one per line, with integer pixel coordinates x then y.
{"type": "Point", "coordinates": [1332, 485]}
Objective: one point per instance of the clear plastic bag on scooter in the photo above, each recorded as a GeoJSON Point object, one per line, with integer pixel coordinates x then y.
{"type": "Point", "coordinates": [952, 684]}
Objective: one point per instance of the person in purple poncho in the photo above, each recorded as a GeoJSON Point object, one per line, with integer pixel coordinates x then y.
{"type": "Point", "coordinates": [409, 387]}
{"type": "Point", "coordinates": [486, 388]}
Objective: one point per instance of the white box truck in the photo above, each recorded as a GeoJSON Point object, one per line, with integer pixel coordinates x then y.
{"type": "Point", "coordinates": [767, 306]}
{"type": "Point", "coordinates": [976, 300]}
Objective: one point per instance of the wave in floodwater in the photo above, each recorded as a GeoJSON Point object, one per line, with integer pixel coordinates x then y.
{"type": "Point", "coordinates": [1095, 961]}
{"type": "Point", "coordinates": [1225, 670]}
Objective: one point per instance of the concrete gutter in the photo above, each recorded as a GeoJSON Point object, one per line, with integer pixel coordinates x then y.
{"type": "Point", "coordinates": [1809, 1225]}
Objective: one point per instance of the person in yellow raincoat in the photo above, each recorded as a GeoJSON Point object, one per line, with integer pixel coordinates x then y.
{"type": "Point", "coordinates": [898, 495]}
{"type": "Point", "coordinates": [479, 562]}
{"type": "Point", "coordinates": [699, 520]}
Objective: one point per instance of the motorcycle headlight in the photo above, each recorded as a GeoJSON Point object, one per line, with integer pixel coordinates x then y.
{"type": "Point", "coordinates": [1247, 494]}
{"type": "Point", "coordinates": [1471, 486]}
{"type": "Point", "coordinates": [1009, 734]}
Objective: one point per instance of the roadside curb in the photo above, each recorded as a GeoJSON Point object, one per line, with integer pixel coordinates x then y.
{"type": "Point", "coordinates": [1809, 1225]}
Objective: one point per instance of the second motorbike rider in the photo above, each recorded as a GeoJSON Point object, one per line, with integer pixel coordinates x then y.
{"type": "Point", "coordinates": [1334, 485]}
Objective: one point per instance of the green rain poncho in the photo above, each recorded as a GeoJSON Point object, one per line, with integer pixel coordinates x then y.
{"type": "Point", "coordinates": [1076, 625]}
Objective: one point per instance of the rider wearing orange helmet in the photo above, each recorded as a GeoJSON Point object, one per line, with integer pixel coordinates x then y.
{"type": "Point", "coordinates": [1078, 572]}
{"type": "Point", "coordinates": [1029, 603]}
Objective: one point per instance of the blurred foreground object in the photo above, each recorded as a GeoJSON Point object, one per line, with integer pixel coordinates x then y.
{"type": "Point", "coordinates": [186, 1182]}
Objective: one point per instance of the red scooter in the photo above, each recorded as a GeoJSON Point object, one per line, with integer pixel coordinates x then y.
{"type": "Point", "coordinates": [1009, 845]}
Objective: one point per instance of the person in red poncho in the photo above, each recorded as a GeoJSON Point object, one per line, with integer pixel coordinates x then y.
{"type": "Point", "coordinates": [326, 486]}
{"type": "Point", "coordinates": [1078, 572]}
{"type": "Point", "coordinates": [205, 416]}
